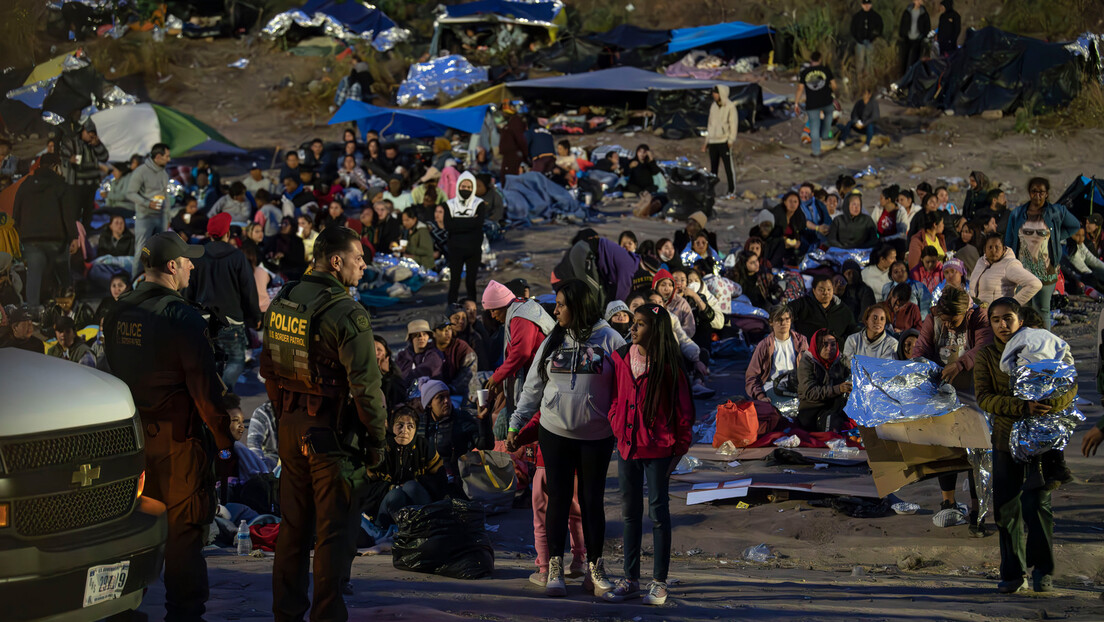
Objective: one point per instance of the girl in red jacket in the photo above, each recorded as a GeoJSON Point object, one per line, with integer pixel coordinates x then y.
{"type": "Point", "coordinates": [652, 415]}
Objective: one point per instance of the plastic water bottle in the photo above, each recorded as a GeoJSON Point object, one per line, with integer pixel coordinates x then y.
{"type": "Point", "coordinates": [245, 543]}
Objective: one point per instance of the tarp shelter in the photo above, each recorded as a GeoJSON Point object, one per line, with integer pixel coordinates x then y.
{"type": "Point", "coordinates": [448, 74]}
{"type": "Point", "coordinates": [994, 70]}
{"type": "Point", "coordinates": [628, 37]}
{"type": "Point", "coordinates": [136, 129]}
{"type": "Point", "coordinates": [1084, 196]}
{"type": "Point", "coordinates": [548, 16]}
{"type": "Point", "coordinates": [493, 95]}
{"type": "Point", "coordinates": [68, 87]}
{"type": "Point", "coordinates": [345, 19]}
{"type": "Point", "coordinates": [413, 123]}
{"type": "Point", "coordinates": [567, 55]}
{"type": "Point", "coordinates": [680, 104]}
{"type": "Point", "coordinates": [732, 39]}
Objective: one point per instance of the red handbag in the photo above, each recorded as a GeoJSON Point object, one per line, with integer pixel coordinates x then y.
{"type": "Point", "coordinates": [736, 422]}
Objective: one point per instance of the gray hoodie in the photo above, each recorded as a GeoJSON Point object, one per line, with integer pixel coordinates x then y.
{"type": "Point", "coordinates": [576, 399]}
{"type": "Point", "coordinates": [148, 181]}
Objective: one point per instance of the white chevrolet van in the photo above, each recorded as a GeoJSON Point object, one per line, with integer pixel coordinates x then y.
{"type": "Point", "coordinates": [78, 540]}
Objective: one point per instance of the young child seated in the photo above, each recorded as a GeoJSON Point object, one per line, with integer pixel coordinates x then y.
{"type": "Point", "coordinates": [1032, 344]}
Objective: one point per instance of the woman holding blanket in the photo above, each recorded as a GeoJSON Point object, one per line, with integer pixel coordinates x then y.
{"type": "Point", "coordinates": [571, 384]}
{"type": "Point", "coordinates": [652, 416]}
{"type": "Point", "coordinates": [1015, 508]}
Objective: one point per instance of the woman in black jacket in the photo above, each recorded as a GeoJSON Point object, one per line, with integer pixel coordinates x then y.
{"type": "Point", "coordinates": [786, 238]}
{"type": "Point", "coordinates": [642, 172]}
{"type": "Point", "coordinates": [464, 222]}
{"type": "Point", "coordinates": [117, 241]}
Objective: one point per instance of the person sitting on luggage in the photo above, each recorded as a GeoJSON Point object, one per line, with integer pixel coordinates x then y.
{"type": "Point", "coordinates": [822, 385]}
{"type": "Point", "coordinates": [452, 432]}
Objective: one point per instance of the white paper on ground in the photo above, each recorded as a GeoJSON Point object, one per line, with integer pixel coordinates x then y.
{"type": "Point", "coordinates": [712, 491]}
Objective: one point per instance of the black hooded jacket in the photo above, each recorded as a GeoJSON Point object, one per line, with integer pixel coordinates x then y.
{"type": "Point", "coordinates": [223, 282]}
{"type": "Point", "coordinates": [43, 211]}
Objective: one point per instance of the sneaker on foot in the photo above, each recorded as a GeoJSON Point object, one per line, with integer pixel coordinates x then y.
{"type": "Point", "coordinates": [977, 526]}
{"type": "Point", "coordinates": [555, 586]}
{"type": "Point", "coordinates": [539, 578]}
{"type": "Point", "coordinates": [657, 593]}
{"type": "Point", "coordinates": [1042, 582]}
{"type": "Point", "coordinates": [576, 570]}
{"type": "Point", "coordinates": [865, 148]}
{"type": "Point", "coordinates": [700, 391]}
{"type": "Point", "coordinates": [596, 580]}
{"type": "Point", "coordinates": [624, 590]}
{"type": "Point", "coordinates": [1011, 587]}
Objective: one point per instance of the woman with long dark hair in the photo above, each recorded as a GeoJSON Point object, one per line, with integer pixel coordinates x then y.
{"type": "Point", "coordinates": [652, 418]}
{"type": "Point", "coordinates": [752, 279]}
{"type": "Point", "coordinates": [571, 384]}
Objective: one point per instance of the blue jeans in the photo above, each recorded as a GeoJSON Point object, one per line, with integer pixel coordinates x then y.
{"type": "Point", "coordinates": [232, 342]}
{"type": "Point", "coordinates": [145, 227]}
{"type": "Point", "coordinates": [1041, 302]}
{"type": "Point", "coordinates": [820, 129]}
{"type": "Point", "coordinates": [631, 475]}
{"type": "Point", "coordinates": [863, 53]}
{"type": "Point", "coordinates": [410, 493]}
{"type": "Point", "coordinates": [845, 133]}
{"type": "Point", "coordinates": [45, 260]}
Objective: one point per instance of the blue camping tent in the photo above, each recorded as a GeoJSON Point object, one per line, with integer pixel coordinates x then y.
{"type": "Point", "coordinates": [716, 35]}
{"type": "Point", "coordinates": [413, 123]}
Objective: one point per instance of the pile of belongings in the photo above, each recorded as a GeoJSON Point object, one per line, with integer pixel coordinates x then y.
{"type": "Point", "coordinates": [449, 75]}
{"type": "Point", "coordinates": [390, 279]}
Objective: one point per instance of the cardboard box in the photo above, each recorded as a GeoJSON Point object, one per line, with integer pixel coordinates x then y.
{"type": "Point", "coordinates": [965, 427]}
{"type": "Point", "coordinates": [894, 464]}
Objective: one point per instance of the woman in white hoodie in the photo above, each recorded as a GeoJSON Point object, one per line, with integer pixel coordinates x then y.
{"type": "Point", "coordinates": [464, 218]}
{"type": "Point", "coordinates": [998, 274]}
{"type": "Point", "coordinates": [571, 383]}
{"type": "Point", "coordinates": [873, 340]}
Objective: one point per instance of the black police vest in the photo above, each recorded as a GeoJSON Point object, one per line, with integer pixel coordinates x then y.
{"type": "Point", "coordinates": [289, 331]}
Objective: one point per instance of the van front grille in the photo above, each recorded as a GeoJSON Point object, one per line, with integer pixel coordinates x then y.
{"type": "Point", "coordinates": [50, 514]}
{"type": "Point", "coordinates": [83, 446]}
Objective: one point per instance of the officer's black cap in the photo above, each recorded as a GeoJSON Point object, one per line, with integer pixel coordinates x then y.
{"type": "Point", "coordinates": [165, 247]}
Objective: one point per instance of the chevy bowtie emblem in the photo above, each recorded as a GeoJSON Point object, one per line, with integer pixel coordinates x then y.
{"type": "Point", "coordinates": [85, 475]}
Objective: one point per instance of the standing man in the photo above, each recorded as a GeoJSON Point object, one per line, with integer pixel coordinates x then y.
{"type": "Point", "coordinates": [721, 131]}
{"type": "Point", "coordinates": [866, 26]}
{"type": "Point", "coordinates": [915, 26]}
{"type": "Point", "coordinates": [158, 345]}
{"type": "Point", "coordinates": [85, 163]}
{"type": "Point", "coordinates": [816, 86]}
{"type": "Point", "coordinates": [47, 224]}
{"type": "Point", "coordinates": [223, 283]}
{"type": "Point", "coordinates": [319, 351]}
{"type": "Point", "coordinates": [148, 193]}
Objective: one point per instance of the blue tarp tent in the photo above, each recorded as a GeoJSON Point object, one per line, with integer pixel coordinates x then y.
{"type": "Point", "coordinates": [353, 19]}
{"type": "Point", "coordinates": [716, 35]}
{"type": "Point", "coordinates": [448, 74]}
{"type": "Point", "coordinates": [414, 123]}
{"type": "Point", "coordinates": [493, 15]}
{"type": "Point", "coordinates": [629, 37]}
{"type": "Point", "coordinates": [1084, 196]}
{"type": "Point", "coordinates": [530, 11]}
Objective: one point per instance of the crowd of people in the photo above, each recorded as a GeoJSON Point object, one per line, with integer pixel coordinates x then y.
{"type": "Point", "coordinates": [612, 362]}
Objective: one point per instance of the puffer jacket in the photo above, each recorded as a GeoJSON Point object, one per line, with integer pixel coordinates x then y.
{"type": "Point", "coordinates": [994, 395]}
{"type": "Point", "coordinates": [417, 460]}
{"type": "Point", "coordinates": [636, 439]}
{"type": "Point", "coordinates": [1007, 277]}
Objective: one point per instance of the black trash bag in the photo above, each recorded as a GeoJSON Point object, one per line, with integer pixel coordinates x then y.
{"type": "Point", "coordinates": [444, 537]}
{"type": "Point", "coordinates": [689, 191]}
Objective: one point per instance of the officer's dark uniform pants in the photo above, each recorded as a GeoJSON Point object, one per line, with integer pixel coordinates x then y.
{"type": "Point", "coordinates": [314, 498]}
{"type": "Point", "coordinates": [1013, 510]}
{"type": "Point", "coordinates": [180, 475]}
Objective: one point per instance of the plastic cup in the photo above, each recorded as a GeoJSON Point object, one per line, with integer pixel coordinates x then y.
{"type": "Point", "coordinates": [481, 397]}
{"type": "Point", "coordinates": [159, 201]}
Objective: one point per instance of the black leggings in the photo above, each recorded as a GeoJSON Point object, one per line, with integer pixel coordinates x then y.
{"type": "Point", "coordinates": [948, 481]}
{"type": "Point", "coordinates": [457, 262]}
{"type": "Point", "coordinates": [720, 153]}
{"type": "Point", "coordinates": [564, 458]}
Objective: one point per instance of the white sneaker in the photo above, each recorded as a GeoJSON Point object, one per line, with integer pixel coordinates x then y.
{"type": "Point", "coordinates": [624, 590]}
{"type": "Point", "coordinates": [539, 578]}
{"type": "Point", "coordinates": [596, 580]}
{"type": "Point", "coordinates": [555, 584]}
{"type": "Point", "coordinates": [657, 593]}
{"type": "Point", "coordinates": [865, 148]}
{"type": "Point", "coordinates": [700, 391]}
{"type": "Point", "coordinates": [841, 145]}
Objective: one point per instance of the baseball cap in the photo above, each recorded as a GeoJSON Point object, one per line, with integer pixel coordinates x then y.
{"type": "Point", "coordinates": [442, 323]}
{"type": "Point", "coordinates": [255, 165]}
{"type": "Point", "coordinates": [167, 246]}
{"type": "Point", "coordinates": [19, 315]}
{"type": "Point", "coordinates": [219, 225]}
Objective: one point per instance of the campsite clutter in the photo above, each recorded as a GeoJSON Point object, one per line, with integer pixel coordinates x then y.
{"type": "Point", "coordinates": [475, 145]}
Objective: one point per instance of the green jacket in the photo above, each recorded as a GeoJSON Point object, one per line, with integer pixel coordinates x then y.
{"type": "Point", "coordinates": [419, 245]}
{"type": "Point", "coordinates": [342, 340]}
{"type": "Point", "coordinates": [994, 395]}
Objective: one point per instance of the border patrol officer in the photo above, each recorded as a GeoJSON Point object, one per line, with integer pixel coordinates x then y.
{"type": "Point", "coordinates": [157, 343]}
{"type": "Point", "coordinates": [318, 353]}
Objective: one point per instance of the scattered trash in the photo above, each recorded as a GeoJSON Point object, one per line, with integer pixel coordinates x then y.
{"type": "Point", "coordinates": [687, 465]}
{"type": "Point", "coordinates": [693, 551]}
{"type": "Point", "coordinates": [241, 63]}
{"type": "Point", "coordinates": [788, 441]}
{"type": "Point", "coordinates": [903, 507]}
{"type": "Point", "coordinates": [734, 463]}
{"type": "Point", "coordinates": [820, 466]}
{"type": "Point", "coordinates": [759, 553]}
{"type": "Point", "coordinates": [257, 553]}
{"type": "Point", "coordinates": [951, 517]}
{"type": "Point", "coordinates": [910, 562]}
{"type": "Point", "coordinates": [858, 571]}
{"type": "Point", "coordinates": [742, 506]}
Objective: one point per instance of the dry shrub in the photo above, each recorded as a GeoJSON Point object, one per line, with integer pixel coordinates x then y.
{"type": "Point", "coordinates": [1085, 111]}
{"type": "Point", "coordinates": [22, 25]}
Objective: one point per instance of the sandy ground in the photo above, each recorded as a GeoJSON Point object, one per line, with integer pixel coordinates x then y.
{"type": "Point", "coordinates": [815, 577]}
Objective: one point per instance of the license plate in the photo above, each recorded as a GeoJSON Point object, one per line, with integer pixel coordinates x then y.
{"type": "Point", "coordinates": [105, 583]}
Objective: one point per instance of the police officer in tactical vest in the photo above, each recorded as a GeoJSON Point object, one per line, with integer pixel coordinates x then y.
{"type": "Point", "coordinates": [319, 366]}
{"type": "Point", "coordinates": [157, 343]}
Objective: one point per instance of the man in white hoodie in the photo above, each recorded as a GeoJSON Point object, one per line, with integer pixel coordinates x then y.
{"type": "Point", "coordinates": [721, 133]}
